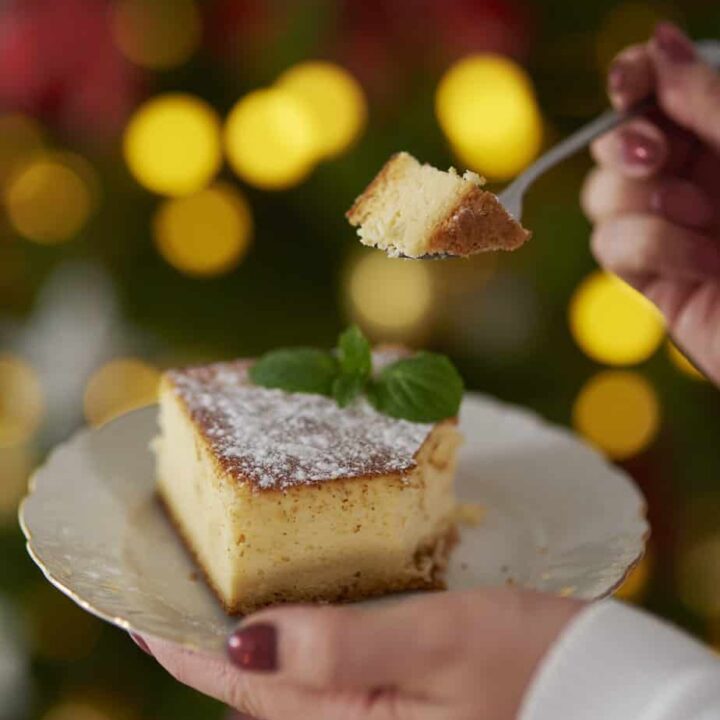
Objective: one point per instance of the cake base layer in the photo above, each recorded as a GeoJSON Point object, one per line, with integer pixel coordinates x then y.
{"type": "Point", "coordinates": [435, 555]}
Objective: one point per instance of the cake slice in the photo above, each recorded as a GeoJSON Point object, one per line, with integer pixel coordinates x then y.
{"type": "Point", "coordinates": [411, 210]}
{"type": "Point", "coordinates": [288, 497]}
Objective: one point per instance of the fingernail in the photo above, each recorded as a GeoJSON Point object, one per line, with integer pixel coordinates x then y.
{"type": "Point", "coordinates": [638, 149]}
{"type": "Point", "coordinates": [683, 205]}
{"type": "Point", "coordinates": [140, 642]}
{"type": "Point", "coordinates": [254, 647]}
{"type": "Point", "coordinates": [617, 79]}
{"type": "Point", "coordinates": [673, 43]}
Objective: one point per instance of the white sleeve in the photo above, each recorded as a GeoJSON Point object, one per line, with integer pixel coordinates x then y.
{"type": "Point", "coordinates": [615, 662]}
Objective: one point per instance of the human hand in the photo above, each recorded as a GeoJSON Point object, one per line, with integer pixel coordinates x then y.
{"type": "Point", "coordinates": [654, 197]}
{"type": "Point", "coordinates": [442, 656]}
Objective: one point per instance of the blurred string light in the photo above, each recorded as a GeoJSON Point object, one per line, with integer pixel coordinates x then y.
{"type": "Point", "coordinates": [391, 299]}
{"type": "Point", "coordinates": [612, 323]}
{"type": "Point", "coordinates": [334, 101]}
{"type": "Point", "coordinates": [627, 24]}
{"type": "Point", "coordinates": [16, 464]}
{"type": "Point", "coordinates": [271, 140]}
{"type": "Point", "coordinates": [698, 575]}
{"type": "Point", "coordinates": [680, 361]}
{"type": "Point", "coordinates": [486, 107]}
{"type": "Point", "coordinates": [50, 197]}
{"type": "Point", "coordinates": [157, 34]}
{"type": "Point", "coordinates": [119, 386]}
{"type": "Point", "coordinates": [76, 710]}
{"type": "Point", "coordinates": [618, 412]}
{"type": "Point", "coordinates": [20, 137]}
{"type": "Point", "coordinates": [21, 401]}
{"type": "Point", "coordinates": [204, 234]}
{"type": "Point", "coordinates": [172, 144]}
{"type": "Point", "coordinates": [634, 588]}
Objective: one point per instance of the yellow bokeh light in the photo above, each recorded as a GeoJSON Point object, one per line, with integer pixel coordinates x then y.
{"type": "Point", "coordinates": [618, 412]}
{"type": "Point", "coordinates": [172, 144]}
{"type": "Point", "coordinates": [698, 576]}
{"type": "Point", "coordinates": [680, 361]}
{"type": "Point", "coordinates": [334, 100]}
{"type": "Point", "coordinates": [21, 401]}
{"type": "Point", "coordinates": [270, 139]}
{"type": "Point", "coordinates": [486, 106]}
{"type": "Point", "coordinates": [159, 34]}
{"type": "Point", "coordinates": [390, 298]}
{"type": "Point", "coordinates": [16, 464]}
{"type": "Point", "coordinates": [204, 234]}
{"type": "Point", "coordinates": [612, 323]}
{"type": "Point", "coordinates": [50, 197]}
{"type": "Point", "coordinates": [118, 387]}
{"type": "Point", "coordinates": [20, 137]}
{"type": "Point", "coordinates": [634, 588]}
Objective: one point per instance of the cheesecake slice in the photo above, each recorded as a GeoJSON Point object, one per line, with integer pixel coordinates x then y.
{"type": "Point", "coordinates": [286, 497]}
{"type": "Point", "coordinates": [411, 210]}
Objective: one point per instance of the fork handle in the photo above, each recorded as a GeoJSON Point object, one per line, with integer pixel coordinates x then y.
{"type": "Point", "coordinates": [709, 50]}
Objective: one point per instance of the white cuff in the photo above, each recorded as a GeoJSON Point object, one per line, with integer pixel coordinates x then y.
{"type": "Point", "coordinates": [615, 662]}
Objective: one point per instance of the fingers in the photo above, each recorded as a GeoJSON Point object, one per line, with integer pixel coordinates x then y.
{"type": "Point", "coordinates": [638, 149]}
{"type": "Point", "coordinates": [268, 697]}
{"type": "Point", "coordinates": [347, 648]}
{"type": "Point", "coordinates": [631, 77]}
{"type": "Point", "coordinates": [607, 194]}
{"type": "Point", "coordinates": [646, 245]}
{"type": "Point", "coordinates": [687, 88]}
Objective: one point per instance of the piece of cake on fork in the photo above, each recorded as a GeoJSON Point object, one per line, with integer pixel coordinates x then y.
{"type": "Point", "coordinates": [413, 210]}
{"type": "Point", "coordinates": [289, 497]}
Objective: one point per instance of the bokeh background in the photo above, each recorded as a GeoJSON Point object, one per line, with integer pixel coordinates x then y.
{"type": "Point", "coordinates": [173, 178]}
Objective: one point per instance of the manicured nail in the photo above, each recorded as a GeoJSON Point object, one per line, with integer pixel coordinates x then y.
{"type": "Point", "coordinates": [673, 43]}
{"type": "Point", "coordinates": [140, 642]}
{"type": "Point", "coordinates": [638, 149]}
{"type": "Point", "coordinates": [617, 78]}
{"type": "Point", "coordinates": [683, 205]}
{"type": "Point", "coordinates": [254, 647]}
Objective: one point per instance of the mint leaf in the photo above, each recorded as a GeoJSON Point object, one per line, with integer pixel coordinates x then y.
{"type": "Point", "coordinates": [354, 353]}
{"type": "Point", "coordinates": [304, 370]}
{"type": "Point", "coordinates": [346, 388]}
{"type": "Point", "coordinates": [355, 361]}
{"type": "Point", "coordinates": [423, 388]}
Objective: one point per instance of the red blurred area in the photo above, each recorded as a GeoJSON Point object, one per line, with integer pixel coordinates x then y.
{"type": "Point", "coordinates": [59, 63]}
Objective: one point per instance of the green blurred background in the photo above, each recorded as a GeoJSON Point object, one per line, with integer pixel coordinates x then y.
{"type": "Point", "coordinates": [173, 178]}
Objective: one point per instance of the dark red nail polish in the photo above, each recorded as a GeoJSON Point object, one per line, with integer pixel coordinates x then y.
{"type": "Point", "coordinates": [254, 647]}
{"type": "Point", "coordinates": [640, 150]}
{"type": "Point", "coordinates": [674, 44]}
{"type": "Point", "coordinates": [140, 642]}
{"type": "Point", "coordinates": [617, 79]}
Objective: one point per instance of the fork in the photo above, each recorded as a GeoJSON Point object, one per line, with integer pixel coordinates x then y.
{"type": "Point", "coordinates": [513, 195]}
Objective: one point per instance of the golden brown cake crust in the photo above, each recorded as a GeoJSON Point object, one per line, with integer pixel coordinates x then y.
{"type": "Point", "coordinates": [436, 552]}
{"type": "Point", "coordinates": [478, 223]}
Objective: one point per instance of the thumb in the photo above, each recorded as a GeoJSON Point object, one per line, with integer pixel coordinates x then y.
{"type": "Point", "coordinates": [688, 89]}
{"type": "Point", "coordinates": [345, 648]}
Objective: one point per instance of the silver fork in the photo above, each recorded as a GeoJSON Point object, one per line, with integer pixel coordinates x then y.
{"type": "Point", "coordinates": [513, 195]}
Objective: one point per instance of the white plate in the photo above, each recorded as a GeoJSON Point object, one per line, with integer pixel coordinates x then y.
{"type": "Point", "coordinates": [559, 519]}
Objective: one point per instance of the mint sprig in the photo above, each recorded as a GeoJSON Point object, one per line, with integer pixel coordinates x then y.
{"type": "Point", "coordinates": [425, 387]}
{"type": "Point", "coordinates": [355, 364]}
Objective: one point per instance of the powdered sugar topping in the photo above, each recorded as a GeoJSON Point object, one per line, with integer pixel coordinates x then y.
{"type": "Point", "coordinates": [278, 440]}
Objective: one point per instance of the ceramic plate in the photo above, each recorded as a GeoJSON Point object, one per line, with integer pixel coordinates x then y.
{"type": "Point", "coordinates": [557, 518]}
